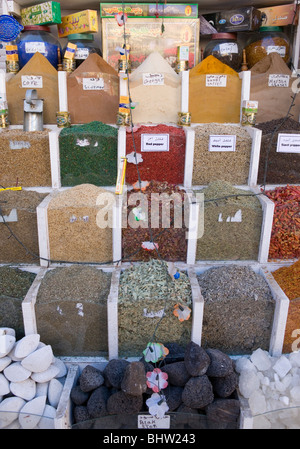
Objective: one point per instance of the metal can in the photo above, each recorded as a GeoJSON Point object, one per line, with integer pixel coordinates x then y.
{"type": "Point", "coordinates": [184, 119]}
{"type": "Point", "coordinates": [69, 65]}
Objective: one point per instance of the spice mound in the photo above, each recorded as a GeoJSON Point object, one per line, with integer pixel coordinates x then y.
{"type": "Point", "coordinates": [88, 154]}
{"type": "Point", "coordinates": [285, 236]}
{"type": "Point", "coordinates": [238, 309]}
{"type": "Point", "coordinates": [232, 223]}
{"type": "Point", "coordinates": [14, 285]}
{"type": "Point", "coordinates": [71, 310]}
{"type": "Point", "coordinates": [147, 296]}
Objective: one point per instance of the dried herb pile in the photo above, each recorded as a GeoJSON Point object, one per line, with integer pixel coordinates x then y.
{"type": "Point", "coordinates": [71, 310]}
{"type": "Point", "coordinates": [231, 166]}
{"type": "Point", "coordinates": [224, 238]}
{"type": "Point", "coordinates": [285, 236]}
{"type": "Point", "coordinates": [89, 154]}
{"type": "Point", "coordinates": [172, 243]}
{"type": "Point", "coordinates": [14, 285]}
{"type": "Point", "coordinates": [282, 168]}
{"type": "Point", "coordinates": [145, 291]}
{"type": "Point", "coordinates": [238, 309]}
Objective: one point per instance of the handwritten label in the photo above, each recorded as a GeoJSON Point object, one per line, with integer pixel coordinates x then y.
{"type": "Point", "coordinates": [153, 79]}
{"type": "Point", "coordinates": [228, 48]}
{"type": "Point", "coordinates": [93, 83]}
{"type": "Point", "coordinates": [154, 142]}
{"type": "Point", "coordinates": [82, 53]}
{"type": "Point", "coordinates": [281, 49]}
{"type": "Point", "coordinates": [32, 82]}
{"type": "Point", "coordinates": [151, 422]}
{"type": "Point", "coordinates": [277, 80]}
{"type": "Point", "coordinates": [222, 143]}
{"type": "Point", "coordinates": [152, 314]}
{"type": "Point", "coordinates": [11, 218]}
{"type": "Point", "coordinates": [33, 47]}
{"type": "Point", "coordinates": [288, 143]}
{"type": "Point", "coordinates": [19, 145]}
{"type": "Point", "coordinates": [216, 80]}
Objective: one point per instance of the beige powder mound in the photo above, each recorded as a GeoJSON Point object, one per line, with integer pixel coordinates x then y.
{"type": "Point", "coordinates": [156, 103]}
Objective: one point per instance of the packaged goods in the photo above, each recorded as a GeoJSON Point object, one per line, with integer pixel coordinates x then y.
{"type": "Point", "coordinates": [47, 13]}
{"type": "Point", "coordinates": [241, 19]}
{"type": "Point", "coordinates": [79, 22]}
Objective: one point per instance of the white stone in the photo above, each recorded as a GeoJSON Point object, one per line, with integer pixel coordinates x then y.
{"type": "Point", "coordinates": [42, 389]}
{"type": "Point", "coordinates": [6, 344]}
{"type": "Point", "coordinates": [62, 367]}
{"type": "Point", "coordinates": [9, 410]}
{"type": "Point", "coordinates": [39, 360]}
{"type": "Point", "coordinates": [248, 382]}
{"type": "Point", "coordinates": [54, 392]}
{"type": "Point", "coordinates": [14, 425]}
{"type": "Point", "coordinates": [25, 390]}
{"type": "Point", "coordinates": [285, 400]}
{"type": "Point", "coordinates": [45, 376]}
{"type": "Point", "coordinates": [47, 420]}
{"type": "Point", "coordinates": [295, 394]}
{"type": "Point", "coordinates": [32, 412]}
{"type": "Point", "coordinates": [4, 362]}
{"type": "Point", "coordinates": [261, 422]}
{"type": "Point", "coordinates": [15, 372]}
{"type": "Point", "coordinates": [261, 359]}
{"type": "Point", "coordinates": [294, 358]}
{"type": "Point", "coordinates": [11, 354]}
{"type": "Point", "coordinates": [265, 381]}
{"type": "Point", "coordinates": [26, 345]}
{"type": "Point", "coordinates": [4, 385]}
{"type": "Point", "coordinates": [257, 403]}
{"type": "Point", "coordinates": [243, 363]}
{"type": "Point", "coordinates": [7, 331]}
{"type": "Point", "coordinates": [282, 366]}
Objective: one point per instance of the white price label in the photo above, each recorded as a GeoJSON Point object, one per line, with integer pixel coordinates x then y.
{"type": "Point", "coordinates": [154, 142]}
{"type": "Point", "coordinates": [153, 79]}
{"type": "Point", "coordinates": [93, 83]}
{"type": "Point", "coordinates": [281, 49]}
{"type": "Point", "coordinates": [33, 47]}
{"type": "Point", "coordinates": [288, 143]}
{"type": "Point", "coordinates": [277, 80]}
{"type": "Point", "coordinates": [32, 82]}
{"type": "Point", "coordinates": [222, 143]}
{"type": "Point", "coordinates": [82, 53]}
{"type": "Point", "coordinates": [216, 80]}
{"type": "Point", "coordinates": [229, 48]}
{"type": "Point", "coordinates": [151, 422]}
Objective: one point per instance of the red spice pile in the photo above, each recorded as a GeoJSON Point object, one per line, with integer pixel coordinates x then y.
{"type": "Point", "coordinates": [157, 166]}
{"type": "Point", "coordinates": [172, 243]}
{"type": "Point", "coordinates": [285, 237]}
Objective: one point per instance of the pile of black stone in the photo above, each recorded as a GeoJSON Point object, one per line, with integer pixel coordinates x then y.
{"type": "Point", "coordinates": [201, 391]}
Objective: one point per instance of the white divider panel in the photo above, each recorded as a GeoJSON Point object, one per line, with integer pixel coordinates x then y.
{"type": "Point", "coordinates": [189, 157]}
{"type": "Point", "coordinates": [198, 308]}
{"type": "Point", "coordinates": [256, 135]}
{"type": "Point", "coordinates": [43, 231]}
{"type": "Point", "coordinates": [54, 158]}
{"type": "Point", "coordinates": [246, 84]}
{"type": "Point", "coordinates": [28, 304]}
{"type": "Point", "coordinates": [64, 412]}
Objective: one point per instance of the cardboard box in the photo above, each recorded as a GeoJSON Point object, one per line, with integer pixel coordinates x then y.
{"type": "Point", "coordinates": [242, 19]}
{"type": "Point", "coordinates": [279, 15]}
{"type": "Point", "coordinates": [80, 22]}
{"type": "Point", "coordinates": [47, 13]}
{"type": "Point", "coordinates": [170, 10]}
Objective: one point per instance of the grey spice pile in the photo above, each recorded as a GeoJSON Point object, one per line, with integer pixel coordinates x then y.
{"type": "Point", "coordinates": [238, 309]}
{"type": "Point", "coordinates": [201, 390]}
{"type": "Point", "coordinates": [145, 292]}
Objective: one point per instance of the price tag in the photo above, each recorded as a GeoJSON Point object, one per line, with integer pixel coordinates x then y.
{"type": "Point", "coordinates": [154, 142]}
{"type": "Point", "coordinates": [93, 83]}
{"type": "Point", "coordinates": [216, 80]}
{"type": "Point", "coordinates": [151, 422]}
{"type": "Point", "coordinates": [288, 143]}
{"type": "Point", "coordinates": [32, 82]}
{"type": "Point", "coordinates": [82, 53]}
{"type": "Point", "coordinates": [277, 80]}
{"type": "Point", "coordinates": [222, 143]}
{"type": "Point", "coordinates": [281, 49]}
{"type": "Point", "coordinates": [153, 79]}
{"type": "Point", "coordinates": [33, 47]}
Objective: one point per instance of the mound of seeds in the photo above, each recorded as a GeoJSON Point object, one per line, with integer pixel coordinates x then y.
{"type": "Point", "coordinates": [238, 309]}
{"type": "Point", "coordinates": [14, 285]}
{"type": "Point", "coordinates": [232, 166]}
{"type": "Point", "coordinates": [232, 223]}
{"type": "Point", "coordinates": [146, 293]}
{"type": "Point", "coordinates": [71, 310]}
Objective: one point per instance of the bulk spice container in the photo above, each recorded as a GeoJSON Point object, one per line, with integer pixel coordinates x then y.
{"type": "Point", "coordinates": [225, 48]}
{"type": "Point", "coordinates": [266, 41]}
{"type": "Point", "coordinates": [85, 46]}
{"type": "Point", "coordinates": [37, 38]}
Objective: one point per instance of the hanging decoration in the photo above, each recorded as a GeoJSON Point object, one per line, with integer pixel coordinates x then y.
{"type": "Point", "coordinates": [155, 352]}
{"type": "Point", "coordinates": [157, 405]}
{"type": "Point", "coordinates": [121, 18]}
{"type": "Point", "coordinates": [157, 380]}
{"type": "Point", "coordinates": [149, 246]}
{"type": "Point", "coordinates": [182, 312]}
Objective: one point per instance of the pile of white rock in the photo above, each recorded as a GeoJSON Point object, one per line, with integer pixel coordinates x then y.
{"type": "Point", "coordinates": [272, 387]}
{"type": "Point", "coordinates": [31, 382]}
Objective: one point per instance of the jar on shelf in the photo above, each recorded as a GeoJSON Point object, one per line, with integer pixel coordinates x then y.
{"type": "Point", "coordinates": [225, 47]}
{"type": "Point", "coordinates": [37, 38]}
{"type": "Point", "coordinates": [85, 46]}
{"type": "Point", "coordinates": [266, 41]}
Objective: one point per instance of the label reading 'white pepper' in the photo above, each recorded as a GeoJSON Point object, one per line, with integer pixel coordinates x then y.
{"type": "Point", "coordinates": [222, 143]}
{"type": "Point", "coordinates": [216, 80]}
